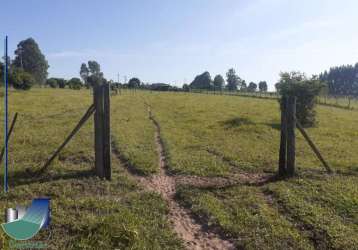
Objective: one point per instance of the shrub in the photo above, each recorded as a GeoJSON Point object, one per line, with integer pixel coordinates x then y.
{"type": "Point", "coordinates": [21, 79]}
{"type": "Point", "coordinates": [61, 83]}
{"type": "Point", "coordinates": [186, 88]}
{"type": "Point", "coordinates": [305, 90]}
{"type": "Point", "coordinates": [75, 83]}
{"type": "Point", "coordinates": [52, 82]}
{"type": "Point", "coordinates": [134, 83]}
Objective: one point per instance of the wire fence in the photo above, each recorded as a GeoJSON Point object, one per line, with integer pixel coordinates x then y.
{"type": "Point", "coordinates": [339, 101]}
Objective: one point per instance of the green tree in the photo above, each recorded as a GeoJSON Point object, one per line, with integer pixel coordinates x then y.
{"type": "Point", "coordinates": [305, 90]}
{"type": "Point", "coordinates": [1, 72]}
{"type": "Point", "coordinates": [134, 83]}
{"type": "Point", "coordinates": [20, 79]}
{"type": "Point", "coordinates": [61, 83]}
{"type": "Point", "coordinates": [202, 81]}
{"type": "Point", "coordinates": [52, 82]}
{"type": "Point", "coordinates": [31, 60]}
{"type": "Point", "coordinates": [243, 86]}
{"type": "Point", "coordinates": [84, 73]}
{"type": "Point", "coordinates": [219, 82]}
{"type": "Point", "coordinates": [263, 86]}
{"type": "Point", "coordinates": [75, 83]}
{"type": "Point", "coordinates": [94, 68]}
{"type": "Point", "coordinates": [233, 81]}
{"type": "Point", "coordinates": [95, 76]}
{"type": "Point", "coordinates": [341, 80]}
{"type": "Point", "coordinates": [252, 87]}
{"type": "Point", "coordinates": [186, 87]}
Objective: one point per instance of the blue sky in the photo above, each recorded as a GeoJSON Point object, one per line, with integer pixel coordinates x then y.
{"type": "Point", "coordinates": [172, 41]}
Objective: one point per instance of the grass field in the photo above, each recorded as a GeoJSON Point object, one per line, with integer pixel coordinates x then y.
{"type": "Point", "coordinates": [203, 135]}
{"type": "Point", "coordinates": [86, 213]}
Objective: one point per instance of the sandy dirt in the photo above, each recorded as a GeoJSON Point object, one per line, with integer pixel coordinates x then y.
{"type": "Point", "coordinates": [192, 233]}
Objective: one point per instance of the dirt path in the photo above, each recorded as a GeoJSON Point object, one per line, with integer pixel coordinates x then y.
{"type": "Point", "coordinates": [194, 235]}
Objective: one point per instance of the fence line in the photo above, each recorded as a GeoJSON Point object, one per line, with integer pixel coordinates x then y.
{"type": "Point", "coordinates": [338, 101]}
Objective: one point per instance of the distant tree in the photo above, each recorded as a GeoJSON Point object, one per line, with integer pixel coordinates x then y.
{"type": "Point", "coordinates": [243, 86]}
{"type": "Point", "coordinates": [186, 87]}
{"type": "Point", "coordinates": [94, 68]}
{"type": "Point", "coordinates": [61, 82]}
{"type": "Point", "coordinates": [1, 72]}
{"type": "Point", "coordinates": [202, 81]}
{"type": "Point", "coordinates": [94, 80]}
{"type": "Point", "coordinates": [84, 73]}
{"type": "Point", "coordinates": [305, 90]}
{"type": "Point", "coordinates": [341, 80]}
{"type": "Point", "coordinates": [219, 82]}
{"type": "Point", "coordinates": [92, 74]}
{"type": "Point", "coordinates": [52, 82]}
{"type": "Point", "coordinates": [134, 83]}
{"type": "Point", "coordinates": [252, 87]}
{"type": "Point", "coordinates": [31, 60]}
{"type": "Point", "coordinates": [263, 86]}
{"type": "Point", "coordinates": [20, 79]}
{"type": "Point", "coordinates": [158, 87]}
{"type": "Point", "coordinates": [75, 83]}
{"type": "Point", "coordinates": [233, 81]}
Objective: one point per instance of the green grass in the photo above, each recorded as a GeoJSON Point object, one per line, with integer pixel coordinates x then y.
{"type": "Point", "coordinates": [243, 213]}
{"type": "Point", "coordinates": [134, 132]}
{"type": "Point", "coordinates": [246, 132]}
{"type": "Point", "coordinates": [320, 212]}
{"type": "Point", "coordinates": [87, 213]}
{"type": "Point", "coordinates": [201, 134]}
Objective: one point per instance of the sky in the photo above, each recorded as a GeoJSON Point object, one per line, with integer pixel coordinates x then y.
{"type": "Point", "coordinates": [173, 41]}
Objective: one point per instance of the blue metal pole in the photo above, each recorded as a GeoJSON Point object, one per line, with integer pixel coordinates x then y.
{"type": "Point", "coordinates": [6, 116]}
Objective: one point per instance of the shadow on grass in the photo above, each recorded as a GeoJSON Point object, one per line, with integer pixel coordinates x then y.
{"type": "Point", "coordinates": [231, 183]}
{"type": "Point", "coordinates": [239, 121]}
{"type": "Point", "coordinates": [273, 125]}
{"type": "Point", "coordinates": [125, 161]}
{"type": "Point", "coordinates": [236, 122]}
{"type": "Point", "coordinates": [28, 177]}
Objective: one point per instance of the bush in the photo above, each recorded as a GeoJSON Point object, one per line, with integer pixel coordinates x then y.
{"type": "Point", "coordinates": [21, 79]}
{"type": "Point", "coordinates": [75, 83]}
{"type": "Point", "coordinates": [61, 83]}
{"type": "Point", "coordinates": [305, 90]}
{"type": "Point", "coordinates": [134, 83]}
{"type": "Point", "coordinates": [186, 88]}
{"type": "Point", "coordinates": [52, 82]}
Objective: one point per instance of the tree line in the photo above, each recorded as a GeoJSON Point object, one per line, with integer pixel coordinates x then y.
{"type": "Point", "coordinates": [341, 80]}
{"type": "Point", "coordinates": [30, 67]}
{"type": "Point", "coordinates": [233, 83]}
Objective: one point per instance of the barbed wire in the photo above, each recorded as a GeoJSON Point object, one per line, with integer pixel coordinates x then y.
{"type": "Point", "coordinates": [69, 112]}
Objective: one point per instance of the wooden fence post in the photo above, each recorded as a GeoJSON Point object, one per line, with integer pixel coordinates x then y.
{"type": "Point", "coordinates": [98, 130]}
{"type": "Point", "coordinates": [102, 131]}
{"type": "Point", "coordinates": [283, 140]}
{"type": "Point", "coordinates": [106, 132]}
{"type": "Point", "coordinates": [291, 137]}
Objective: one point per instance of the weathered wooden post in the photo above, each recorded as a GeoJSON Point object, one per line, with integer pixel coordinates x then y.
{"type": "Point", "coordinates": [98, 130]}
{"type": "Point", "coordinates": [288, 138]}
{"type": "Point", "coordinates": [102, 131]}
{"type": "Point", "coordinates": [291, 137]}
{"type": "Point", "coordinates": [106, 132]}
{"type": "Point", "coordinates": [283, 140]}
